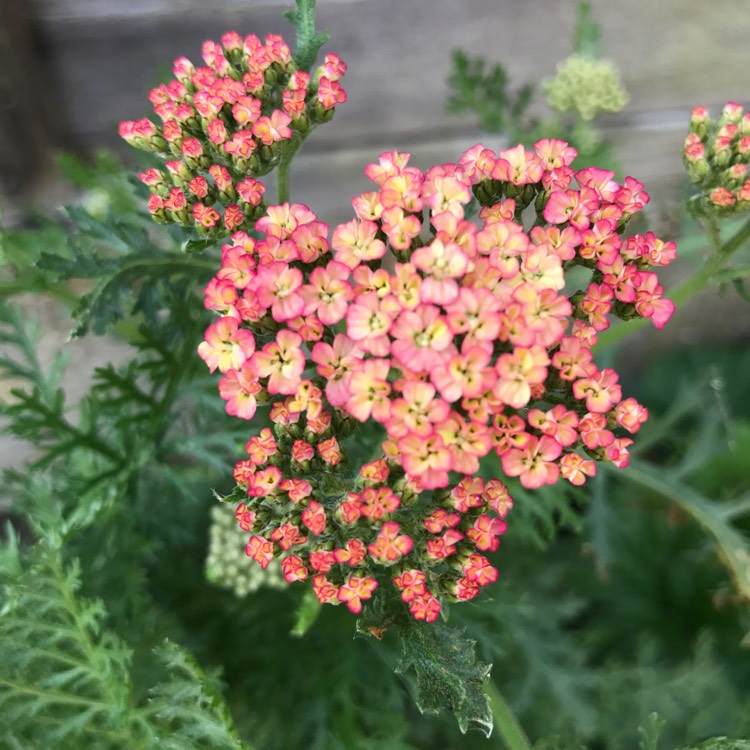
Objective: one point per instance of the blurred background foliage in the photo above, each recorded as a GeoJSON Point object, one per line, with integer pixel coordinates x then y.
{"type": "Point", "coordinates": [620, 619]}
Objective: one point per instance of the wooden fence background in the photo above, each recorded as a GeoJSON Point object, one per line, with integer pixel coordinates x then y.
{"type": "Point", "coordinates": [74, 68]}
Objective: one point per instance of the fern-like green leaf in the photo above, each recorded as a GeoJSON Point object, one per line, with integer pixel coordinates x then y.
{"type": "Point", "coordinates": [477, 87]}
{"type": "Point", "coordinates": [137, 282]}
{"type": "Point", "coordinates": [189, 708]}
{"type": "Point", "coordinates": [63, 678]}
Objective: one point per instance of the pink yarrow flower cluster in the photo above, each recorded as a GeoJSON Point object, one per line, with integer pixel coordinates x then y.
{"type": "Point", "coordinates": [455, 336]}
{"type": "Point", "coordinates": [224, 124]}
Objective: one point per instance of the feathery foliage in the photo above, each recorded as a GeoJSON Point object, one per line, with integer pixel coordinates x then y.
{"type": "Point", "coordinates": [65, 678]}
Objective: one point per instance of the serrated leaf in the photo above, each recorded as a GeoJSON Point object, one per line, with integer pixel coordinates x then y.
{"type": "Point", "coordinates": [189, 706]}
{"type": "Point", "coordinates": [445, 673]}
{"type": "Point", "coordinates": [119, 236]}
{"type": "Point", "coordinates": [55, 660]}
{"type": "Point", "coordinates": [475, 86]}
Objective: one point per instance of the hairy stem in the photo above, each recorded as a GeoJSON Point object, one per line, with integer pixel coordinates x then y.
{"type": "Point", "coordinates": [308, 41]}
{"type": "Point", "coordinates": [285, 164]}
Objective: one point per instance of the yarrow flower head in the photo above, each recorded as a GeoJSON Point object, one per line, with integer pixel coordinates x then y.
{"type": "Point", "coordinates": [716, 155]}
{"type": "Point", "coordinates": [587, 86]}
{"type": "Point", "coordinates": [226, 123]}
{"type": "Point", "coordinates": [453, 337]}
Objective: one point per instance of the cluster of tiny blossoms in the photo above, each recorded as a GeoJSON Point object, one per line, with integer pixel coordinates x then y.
{"type": "Point", "coordinates": [227, 564]}
{"type": "Point", "coordinates": [716, 155]}
{"type": "Point", "coordinates": [587, 86]}
{"type": "Point", "coordinates": [455, 337]}
{"type": "Point", "coordinates": [226, 123]}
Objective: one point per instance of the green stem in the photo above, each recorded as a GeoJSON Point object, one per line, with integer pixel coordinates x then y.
{"type": "Point", "coordinates": [506, 724]}
{"type": "Point", "coordinates": [714, 234]}
{"type": "Point", "coordinates": [697, 283]}
{"type": "Point", "coordinates": [284, 168]}
{"type": "Point", "coordinates": [730, 542]}
{"type": "Point", "coordinates": [57, 290]}
{"type": "Point", "coordinates": [170, 260]}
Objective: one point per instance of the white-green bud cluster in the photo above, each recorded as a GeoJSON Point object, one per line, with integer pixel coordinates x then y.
{"type": "Point", "coordinates": [587, 86]}
{"type": "Point", "coordinates": [228, 566]}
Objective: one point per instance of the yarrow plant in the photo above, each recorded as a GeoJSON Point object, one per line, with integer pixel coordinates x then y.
{"type": "Point", "coordinates": [457, 338]}
{"type": "Point", "coordinates": [396, 381]}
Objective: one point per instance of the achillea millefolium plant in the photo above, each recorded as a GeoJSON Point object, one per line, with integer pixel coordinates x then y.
{"type": "Point", "coordinates": [400, 375]}
{"type": "Point", "coordinates": [439, 312]}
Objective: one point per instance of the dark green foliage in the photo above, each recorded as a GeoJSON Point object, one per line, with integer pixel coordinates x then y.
{"type": "Point", "coordinates": [528, 635]}
{"type": "Point", "coordinates": [190, 706]}
{"type": "Point", "coordinates": [62, 676]}
{"type": "Point", "coordinates": [476, 87]}
{"type": "Point", "coordinates": [65, 679]}
{"type": "Point", "coordinates": [483, 88]}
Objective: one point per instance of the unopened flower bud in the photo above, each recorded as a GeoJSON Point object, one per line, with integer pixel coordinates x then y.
{"type": "Point", "coordinates": [700, 121]}
{"type": "Point", "coordinates": [722, 197]}
{"type": "Point", "coordinates": [735, 175]}
{"type": "Point", "coordinates": [731, 113]}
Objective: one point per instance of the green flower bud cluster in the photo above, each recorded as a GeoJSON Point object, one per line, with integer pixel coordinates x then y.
{"type": "Point", "coordinates": [586, 86]}
{"type": "Point", "coordinates": [228, 566]}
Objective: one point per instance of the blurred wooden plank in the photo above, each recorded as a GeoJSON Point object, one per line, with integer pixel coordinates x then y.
{"type": "Point", "coordinates": [71, 10]}
{"type": "Point", "coordinates": [673, 54]}
{"type": "Point", "coordinates": [24, 99]}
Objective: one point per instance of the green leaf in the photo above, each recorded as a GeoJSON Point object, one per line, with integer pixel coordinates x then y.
{"type": "Point", "coordinates": [138, 282]}
{"type": "Point", "coordinates": [306, 614]}
{"type": "Point", "coordinates": [308, 42]}
{"type": "Point", "coordinates": [197, 245]}
{"type": "Point", "coordinates": [651, 732]}
{"type": "Point", "coordinates": [62, 676]}
{"type": "Point", "coordinates": [189, 708]}
{"type": "Point", "coordinates": [475, 86]}
{"type": "Point", "coordinates": [446, 673]}
{"type": "Point", "coordinates": [65, 679]}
